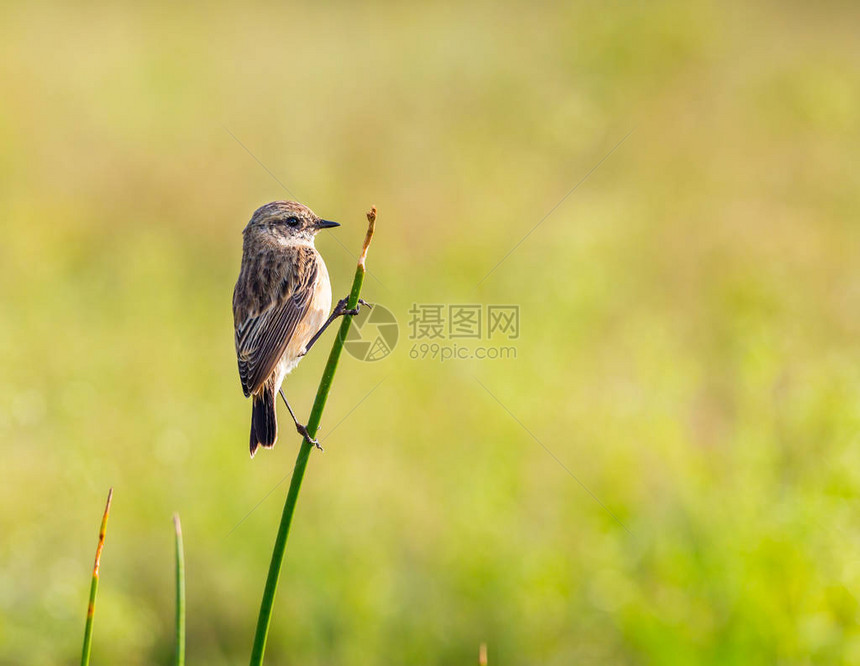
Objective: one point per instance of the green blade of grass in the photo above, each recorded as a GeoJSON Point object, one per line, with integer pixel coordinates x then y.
{"type": "Point", "coordinates": [180, 593]}
{"type": "Point", "coordinates": [265, 616]}
{"type": "Point", "coordinates": [94, 586]}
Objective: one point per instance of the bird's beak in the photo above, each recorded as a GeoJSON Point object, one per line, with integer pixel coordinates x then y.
{"type": "Point", "coordinates": [326, 224]}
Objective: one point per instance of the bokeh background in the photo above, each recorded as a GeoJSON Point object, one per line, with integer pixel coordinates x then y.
{"type": "Point", "coordinates": [690, 319]}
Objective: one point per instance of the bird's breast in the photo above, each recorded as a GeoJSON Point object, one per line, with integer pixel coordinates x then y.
{"type": "Point", "coordinates": [322, 292]}
{"type": "Point", "coordinates": [317, 312]}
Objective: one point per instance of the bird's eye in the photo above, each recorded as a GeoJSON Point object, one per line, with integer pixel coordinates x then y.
{"type": "Point", "coordinates": [293, 221]}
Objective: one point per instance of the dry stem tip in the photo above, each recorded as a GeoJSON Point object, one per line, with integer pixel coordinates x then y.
{"type": "Point", "coordinates": [371, 225]}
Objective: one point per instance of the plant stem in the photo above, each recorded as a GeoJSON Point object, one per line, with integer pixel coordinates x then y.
{"type": "Point", "coordinates": [180, 594]}
{"type": "Point", "coordinates": [94, 586]}
{"type": "Point", "coordinates": [265, 617]}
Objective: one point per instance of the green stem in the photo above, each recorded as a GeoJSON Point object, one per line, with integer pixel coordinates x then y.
{"type": "Point", "coordinates": [265, 617]}
{"type": "Point", "coordinates": [94, 586]}
{"type": "Point", "coordinates": [180, 594]}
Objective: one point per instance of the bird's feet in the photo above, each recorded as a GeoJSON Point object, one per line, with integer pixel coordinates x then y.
{"type": "Point", "coordinates": [341, 309]}
{"type": "Point", "coordinates": [303, 431]}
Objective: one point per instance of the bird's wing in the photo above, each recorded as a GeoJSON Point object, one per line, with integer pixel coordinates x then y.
{"type": "Point", "coordinates": [271, 298]}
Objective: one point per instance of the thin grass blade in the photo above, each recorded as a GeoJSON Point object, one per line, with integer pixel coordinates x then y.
{"type": "Point", "coordinates": [94, 586]}
{"type": "Point", "coordinates": [180, 593]}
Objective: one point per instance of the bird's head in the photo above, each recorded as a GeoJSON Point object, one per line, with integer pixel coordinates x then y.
{"type": "Point", "coordinates": [286, 222]}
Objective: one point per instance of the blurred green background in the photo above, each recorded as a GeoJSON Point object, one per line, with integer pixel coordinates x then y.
{"type": "Point", "coordinates": [690, 321]}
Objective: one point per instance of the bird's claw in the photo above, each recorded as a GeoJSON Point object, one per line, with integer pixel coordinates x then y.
{"type": "Point", "coordinates": [341, 306]}
{"type": "Point", "coordinates": [303, 431]}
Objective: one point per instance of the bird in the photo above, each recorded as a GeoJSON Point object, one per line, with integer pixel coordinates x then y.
{"type": "Point", "coordinates": [281, 306]}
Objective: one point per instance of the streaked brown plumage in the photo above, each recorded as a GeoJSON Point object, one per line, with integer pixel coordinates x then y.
{"type": "Point", "coordinates": [281, 300]}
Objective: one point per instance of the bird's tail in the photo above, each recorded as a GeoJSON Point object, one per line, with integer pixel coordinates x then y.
{"type": "Point", "coordinates": [264, 421]}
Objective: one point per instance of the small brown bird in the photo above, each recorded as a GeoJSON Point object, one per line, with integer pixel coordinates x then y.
{"type": "Point", "coordinates": [280, 305]}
